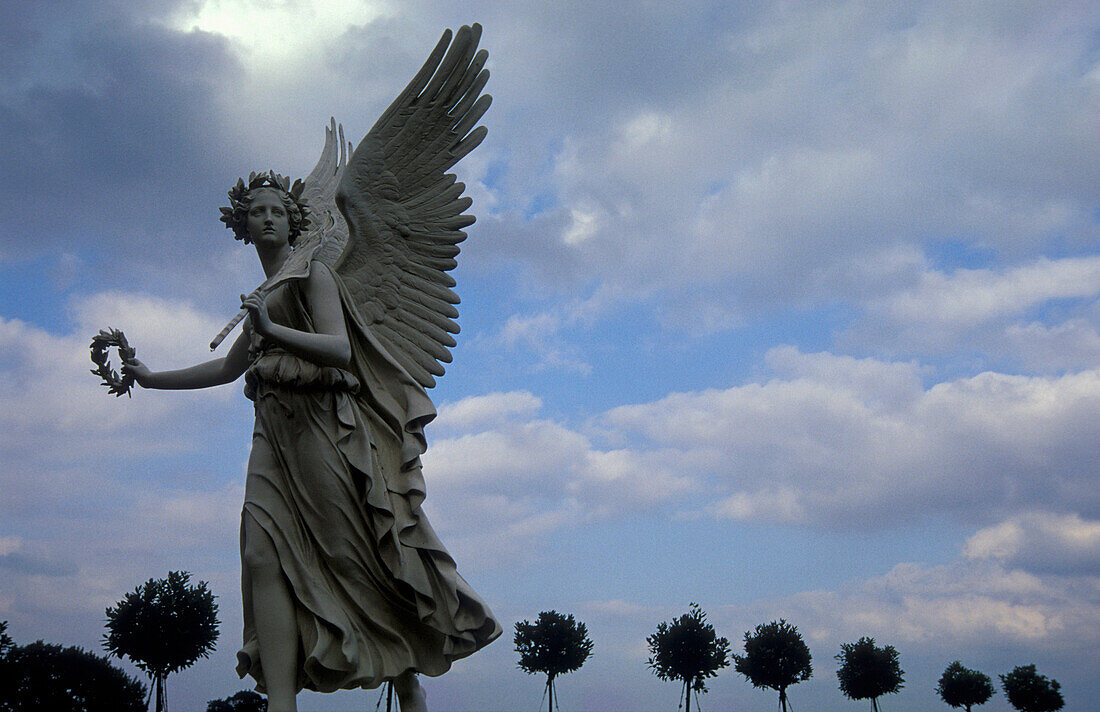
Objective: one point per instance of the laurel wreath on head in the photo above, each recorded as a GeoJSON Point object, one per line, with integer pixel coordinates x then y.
{"type": "Point", "coordinates": [116, 385]}
{"type": "Point", "coordinates": [234, 216]}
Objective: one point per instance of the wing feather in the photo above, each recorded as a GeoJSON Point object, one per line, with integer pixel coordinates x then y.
{"type": "Point", "coordinates": [405, 213]}
{"type": "Point", "coordinates": [433, 201]}
{"type": "Point", "coordinates": [418, 371]}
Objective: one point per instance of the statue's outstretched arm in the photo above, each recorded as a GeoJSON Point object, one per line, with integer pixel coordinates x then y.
{"type": "Point", "coordinates": [328, 345]}
{"type": "Point", "coordinates": [204, 375]}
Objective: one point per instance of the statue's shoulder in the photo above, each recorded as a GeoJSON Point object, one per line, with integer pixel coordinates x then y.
{"type": "Point", "coordinates": [320, 276]}
{"type": "Point", "coordinates": [319, 286]}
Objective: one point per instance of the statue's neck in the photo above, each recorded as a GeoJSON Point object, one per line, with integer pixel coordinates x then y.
{"type": "Point", "coordinates": [272, 258]}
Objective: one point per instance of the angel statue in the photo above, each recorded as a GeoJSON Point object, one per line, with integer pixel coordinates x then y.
{"type": "Point", "coordinates": [345, 583]}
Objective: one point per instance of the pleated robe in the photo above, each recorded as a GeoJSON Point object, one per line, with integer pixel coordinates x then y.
{"type": "Point", "coordinates": [335, 480]}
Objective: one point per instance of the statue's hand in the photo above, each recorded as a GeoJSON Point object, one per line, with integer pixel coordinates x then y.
{"type": "Point", "coordinates": [138, 370]}
{"type": "Point", "coordinates": [257, 311]}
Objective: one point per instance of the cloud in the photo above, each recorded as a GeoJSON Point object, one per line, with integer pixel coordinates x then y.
{"type": "Point", "coordinates": [88, 475]}
{"type": "Point", "coordinates": [940, 309]}
{"type": "Point", "coordinates": [167, 329]}
{"type": "Point", "coordinates": [540, 334]}
{"type": "Point", "coordinates": [276, 36]}
{"type": "Point", "coordinates": [818, 136]}
{"type": "Point", "coordinates": [115, 118]}
{"type": "Point", "coordinates": [1041, 542]}
{"type": "Point", "coordinates": [102, 493]}
{"type": "Point", "coordinates": [1070, 345]}
{"type": "Point", "coordinates": [826, 441]}
{"type": "Point", "coordinates": [973, 296]}
{"type": "Point", "coordinates": [18, 560]}
{"type": "Point", "coordinates": [50, 406]}
{"type": "Point", "coordinates": [758, 160]}
{"type": "Point", "coordinates": [502, 476]}
{"type": "Point", "coordinates": [843, 442]}
{"type": "Point", "coordinates": [985, 609]}
{"type": "Point", "coordinates": [492, 408]}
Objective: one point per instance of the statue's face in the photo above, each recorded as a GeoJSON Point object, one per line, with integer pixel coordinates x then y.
{"type": "Point", "coordinates": [267, 219]}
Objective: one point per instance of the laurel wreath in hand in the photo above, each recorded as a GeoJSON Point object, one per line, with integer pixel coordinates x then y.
{"type": "Point", "coordinates": [101, 342]}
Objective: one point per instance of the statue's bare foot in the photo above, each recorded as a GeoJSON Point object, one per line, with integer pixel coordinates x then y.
{"type": "Point", "coordinates": [410, 695]}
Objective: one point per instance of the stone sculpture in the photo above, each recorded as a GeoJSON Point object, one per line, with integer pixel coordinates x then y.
{"type": "Point", "coordinates": [345, 583]}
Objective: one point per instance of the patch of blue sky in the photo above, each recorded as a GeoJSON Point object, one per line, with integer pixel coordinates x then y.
{"type": "Point", "coordinates": [33, 287]}
{"type": "Point", "coordinates": [495, 172]}
{"type": "Point", "coordinates": [949, 254]}
{"type": "Point", "coordinates": [1054, 311]}
{"type": "Point", "coordinates": [718, 561]}
{"type": "Point", "coordinates": [623, 356]}
{"type": "Point", "coordinates": [668, 358]}
{"type": "Point", "coordinates": [207, 459]}
{"type": "Point", "coordinates": [715, 187]}
{"type": "Point", "coordinates": [541, 202]}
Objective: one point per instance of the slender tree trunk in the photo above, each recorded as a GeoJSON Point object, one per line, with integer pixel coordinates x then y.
{"type": "Point", "coordinates": [389, 696]}
{"type": "Point", "coordinates": [550, 692]}
{"type": "Point", "coordinates": [783, 699]}
{"type": "Point", "coordinates": [687, 693]}
{"type": "Point", "coordinates": [162, 698]}
{"type": "Point", "coordinates": [874, 704]}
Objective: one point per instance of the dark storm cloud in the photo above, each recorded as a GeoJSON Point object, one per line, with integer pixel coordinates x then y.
{"type": "Point", "coordinates": [28, 565]}
{"type": "Point", "coordinates": [111, 131]}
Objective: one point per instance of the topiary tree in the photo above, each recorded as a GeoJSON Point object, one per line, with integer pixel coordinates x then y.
{"type": "Point", "coordinates": [867, 671]}
{"type": "Point", "coordinates": [7, 680]}
{"type": "Point", "coordinates": [554, 644]}
{"type": "Point", "coordinates": [962, 687]}
{"type": "Point", "coordinates": [163, 626]}
{"type": "Point", "coordinates": [243, 701]}
{"type": "Point", "coordinates": [1028, 691]}
{"type": "Point", "coordinates": [775, 657]}
{"type": "Point", "coordinates": [688, 650]}
{"type": "Point", "coordinates": [42, 676]}
{"type": "Point", "coordinates": [6, 643]}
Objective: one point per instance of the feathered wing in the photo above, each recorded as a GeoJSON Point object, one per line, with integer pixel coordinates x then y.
{"type": "Point", "coordinates": [405, 213]}
{"type": "Point", "coordinates": [326, 228]}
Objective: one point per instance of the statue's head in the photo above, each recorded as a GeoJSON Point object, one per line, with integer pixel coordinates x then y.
{"type": "Point", "coordinates": [235, 216]}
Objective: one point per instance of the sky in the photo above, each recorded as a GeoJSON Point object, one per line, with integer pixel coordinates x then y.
{"type": "Point", "coordinates": [788, 309]}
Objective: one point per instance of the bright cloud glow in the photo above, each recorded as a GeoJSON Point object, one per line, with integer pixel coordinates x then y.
{"type": "Point", "coordinates": [278, 35]}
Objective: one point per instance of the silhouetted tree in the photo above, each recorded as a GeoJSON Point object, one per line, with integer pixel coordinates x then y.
{"type": "Point", "coordinates": [42, 676]}
{"type": "Point", "coordinates": [688, 650]}
{"type": "Point", "coordinates": [962, 687]}
{"type": "Point", "coordinates": [1028, 691]}
{"type": "Point", "coordinates": [775, 657]}
{"type": "Point", "coordinates": [6, 644]}
{"type": "Point", "coordinates": [554, 644]}
{"type": "Point", "coordinates": [243, 701]}
{"type": "Point", "coordinates": [867, 671]}
{"type": "Point", "coordinates": [163, 626]}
